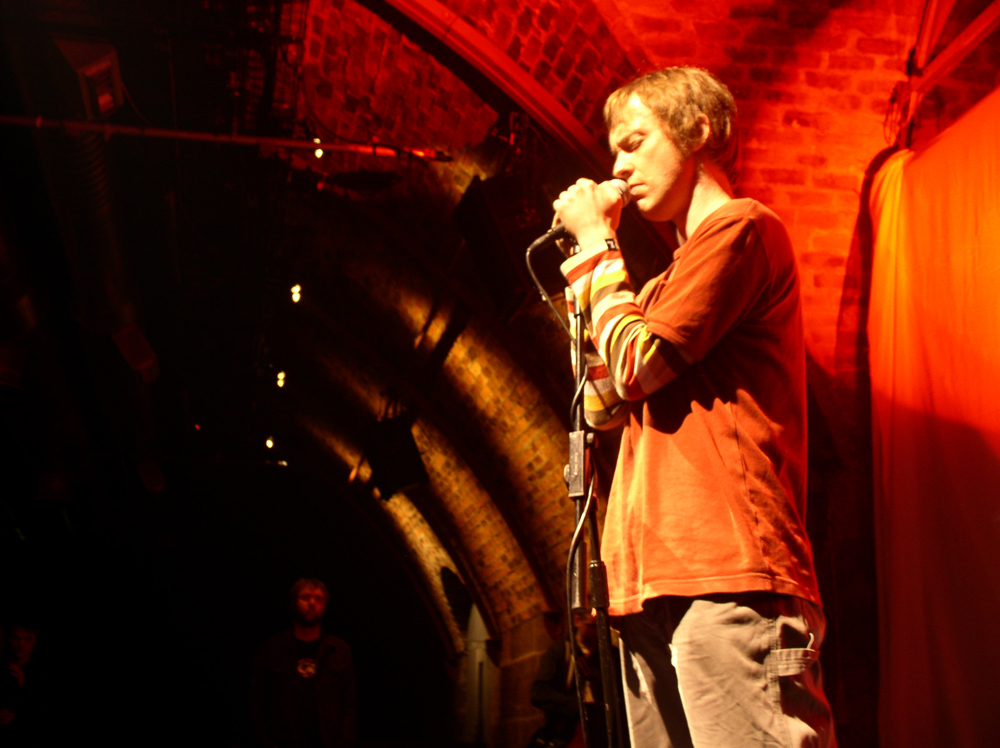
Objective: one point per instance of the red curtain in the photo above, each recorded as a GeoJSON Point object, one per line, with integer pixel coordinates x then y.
{"type": "Point", "coordinates": [934, 332]}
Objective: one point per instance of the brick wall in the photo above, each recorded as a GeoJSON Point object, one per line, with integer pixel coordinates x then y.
{"type": "Point", "coordinates": [566, 46]}
{"type": "Point", "coordinates": [812, 84]}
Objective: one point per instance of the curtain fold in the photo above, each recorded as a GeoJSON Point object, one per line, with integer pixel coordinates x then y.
{"type": "Point", "coordinates": [934, 335]}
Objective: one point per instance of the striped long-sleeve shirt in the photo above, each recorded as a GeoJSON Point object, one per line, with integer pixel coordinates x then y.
{"type": "Point", "coordinates": [625, 360]}
{"type": "Point", "coordinates": [709, 492]}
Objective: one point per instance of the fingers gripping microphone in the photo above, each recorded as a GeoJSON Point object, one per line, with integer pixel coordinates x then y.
{"type": "Point", "coordinates": [560, 232]}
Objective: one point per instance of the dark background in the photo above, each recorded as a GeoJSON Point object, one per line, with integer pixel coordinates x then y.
{"type": "Point", "coordinates": [152, 603]}
{"type": "Point", "coordinates": [151, 613]}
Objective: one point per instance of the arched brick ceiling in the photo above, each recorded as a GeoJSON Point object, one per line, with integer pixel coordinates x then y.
{"type": "Point", "coordinates": [375, 319]}
{"type": "Point", "coordinates": [812, 80]}
{"type": "Point", "coordinates": [364, 80]}
{"type": "Point", "coordinates": [424, 547]}
{"type": "Point", "coordinates": [566, 46]}
{"type": "Point", "coordinates": [577, 57]}
{"type": "Point", "coordinates": [465, 523]}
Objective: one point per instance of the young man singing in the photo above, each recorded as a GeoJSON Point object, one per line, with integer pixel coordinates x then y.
{"type": "Point", "coordinates": [710, 570]}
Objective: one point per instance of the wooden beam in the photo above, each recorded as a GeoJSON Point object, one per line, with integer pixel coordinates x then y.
{"type": "Point", "coordinates": [923, 79]}
{"type": "Point", "coordinates": [936, 14]}
{"type": "Point", "coordinates": [959, 48]}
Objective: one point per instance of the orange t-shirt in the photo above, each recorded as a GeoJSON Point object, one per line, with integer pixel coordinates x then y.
{"type": "Point", "coordinates": [709, 493]}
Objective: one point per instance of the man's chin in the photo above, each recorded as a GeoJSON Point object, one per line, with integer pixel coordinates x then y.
{"type": "Point", "coordinates": [654, 211]}
{"type": "Point", "coordinates": [650, 209]}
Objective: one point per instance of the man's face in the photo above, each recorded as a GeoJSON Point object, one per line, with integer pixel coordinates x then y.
{"type": "Point", "coordinates": [309, 605]}
{"type": "Point", "coordinates": [660, 178]}
{"type": "Point", "coordinates": [22, 644]}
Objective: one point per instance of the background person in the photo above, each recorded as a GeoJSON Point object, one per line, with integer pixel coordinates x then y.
{"type": "Point", "coordinates": [302, 683]}
{"type": "Point", "coordinates": [22, 691]}
{"type": "Point", "coordinates": [554, 690]}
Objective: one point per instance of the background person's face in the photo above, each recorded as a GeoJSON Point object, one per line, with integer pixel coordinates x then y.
{"type": "Point", "coordinates": [22, 644]}
{"type": "Point", "coordinates": [310, 604]}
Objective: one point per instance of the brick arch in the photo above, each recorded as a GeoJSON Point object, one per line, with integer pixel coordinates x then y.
{"type": "Point", "coordinates": [363, 80]}
{"type": "Point", "coordinates": [568, 47]}
{"type": "Point", "coordinates": [424, 548]}
{"type": "Point", "coordinates": [378, 315]}
{"type": "Point", "coordinates": [465, 522]}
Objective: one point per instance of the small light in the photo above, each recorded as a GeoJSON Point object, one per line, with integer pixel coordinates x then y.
{"type": "Point", "coordinates": [269, 442]}
{"type": "Point", "coordinates": [197, 427]}
{"type": "Point", "coordinates": [318, 153]}
{"type": "Point", "coordinates": [281, 382]}
{"type": "Point", "coordinates": [317, 141]}
{"type": "Point", "coordinates": [281, 375]}
{"type": "Point", "coordinates": [282, 463]}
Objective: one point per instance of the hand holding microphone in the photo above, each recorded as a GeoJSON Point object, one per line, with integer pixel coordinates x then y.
{"type": "Point", "coordinates": [588, 210]}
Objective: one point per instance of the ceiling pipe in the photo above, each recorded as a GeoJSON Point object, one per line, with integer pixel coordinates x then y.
{"type": "Point", "coordinates": [75, 127]}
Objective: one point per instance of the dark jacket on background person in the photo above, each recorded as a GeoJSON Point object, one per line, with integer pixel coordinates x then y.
{"type": "Point", "coordinates": [554, 692]}
{"type": "Point", "coordinates": [274, 713]}
{"type": "Point", "coordinates": [28, 704]}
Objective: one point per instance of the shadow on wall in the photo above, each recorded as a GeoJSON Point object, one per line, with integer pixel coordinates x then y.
{"type": "Point", "coordinates": [939, 579]}
{"type": "Point", "coordinates": [840, 513]}
{"type": "Point", "coordinates": [840, 526]}
{"type": "Point", "coordinates": [851, 354]}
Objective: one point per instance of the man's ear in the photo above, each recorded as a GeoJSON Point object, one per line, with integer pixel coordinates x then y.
{"type": "Point", "coordinates": [704, 131]}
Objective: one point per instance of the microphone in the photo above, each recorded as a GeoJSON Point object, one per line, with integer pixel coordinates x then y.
{"type": "Point", "coordinates": [561, 232]}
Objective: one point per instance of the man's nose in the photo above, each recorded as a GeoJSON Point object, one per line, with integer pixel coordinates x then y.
{"type": "Point", "coordinates": [623, 168]}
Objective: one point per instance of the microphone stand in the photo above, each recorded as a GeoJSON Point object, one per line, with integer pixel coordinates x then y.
{"type": "Point", "coordinates": [581, 481]}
